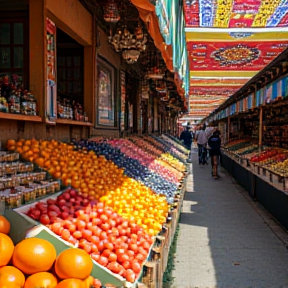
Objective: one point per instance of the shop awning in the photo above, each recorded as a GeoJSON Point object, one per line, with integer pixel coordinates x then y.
{"type": "Point", "coordinates": [228, 42]}
{"type": "Point", "coordinates": [166, 24]}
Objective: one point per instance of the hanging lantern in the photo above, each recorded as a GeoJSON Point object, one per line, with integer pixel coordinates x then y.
{"type": "Point", "coordinates": [130, 56]}
{"type": "Point", "coordinates": [111, 12]}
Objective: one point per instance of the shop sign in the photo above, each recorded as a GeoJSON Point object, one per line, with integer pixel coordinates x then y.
{"type": "Point", "coordinates": [51, 105]}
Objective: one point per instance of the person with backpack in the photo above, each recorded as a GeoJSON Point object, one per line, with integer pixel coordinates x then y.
{"type": "Point", "coordinates": [187, 138]}
{"type": "Point", "coordinates": [214, 143]}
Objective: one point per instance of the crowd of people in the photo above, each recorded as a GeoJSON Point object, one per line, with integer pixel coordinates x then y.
{"type": "Point", "coordinates": [208, 141]}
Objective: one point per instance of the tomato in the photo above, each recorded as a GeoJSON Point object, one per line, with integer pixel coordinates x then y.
{"type": "Point", "coordinates": [65, 234]}
{"type": "Point", "coordinates": [87, 247]}
{"type": "Point", "coordinates": [114, 267]}
{"type": "Point", "coordinates": [134, 238]}
{"type": "Point", "coordinates": [133, 247]}
{"type": "Point", "coordinates": [44, 219]}
{"type": "Point", "coordinates": [109, 246]}
{"type": "Point", "coordinates": [95, 256]}
{"type": "Point", "coordinates": [100, 245]}
{"type": "Point", "coordinates": [80, 224]}
{"type": "Point", "coordinates": [84, 217]}
{"type": "Point", "coordinates": [56, 228]}
{"type": "Point", "coordinates": [87, 234]}
{"type": "Point", "coordinates": [96, 221]}
{"type": "Point", "coordinates": [103, 261]}
{"type": "Point", "coordinates": [96, 231]}
{"type": "Point", "coordinates": [77, 234]}
{"type": "Point", "coordinates": [122, 257]}
{"type": "Point", "coordinates": [71, 228]}
{"type": "Point", "coordinates": [130, 275]}
{"type": "Point", "coordinates": [106, 253]}
{"type": "Point", "coordinates": [103, 235]}
{"type": "Point", "coordinates": [126, 264]}
{"type": "Point", "coordinates": [136, 267]}
{"type": "Point", "coordinates": [94, 248]}
{"type": "Point", "coordinates": [95, 239]}
{"type": "Point", "coordinates": [104, 218]}
{"type": "Point", "coordinates": [89, 226]}
{"type": "Point", "coordinates": [105, 226]}
{"type": "Point", "coordinates": [112, 257]}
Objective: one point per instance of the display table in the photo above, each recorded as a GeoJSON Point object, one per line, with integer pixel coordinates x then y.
{"type": "Point", "coordinates": [260, 188]}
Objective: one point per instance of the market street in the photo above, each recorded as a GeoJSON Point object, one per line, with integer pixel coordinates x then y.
{"type": "Point", "coordinates": [224, 240]}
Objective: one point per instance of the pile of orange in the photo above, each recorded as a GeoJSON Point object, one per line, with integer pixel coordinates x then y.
{"type": "Point", "coordinates": [99, 178]}
{"type": "Point", "coordinates": [33, 263]}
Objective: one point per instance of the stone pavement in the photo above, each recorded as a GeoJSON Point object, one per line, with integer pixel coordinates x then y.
{"type": "Point", "coordinates": [225, 239]}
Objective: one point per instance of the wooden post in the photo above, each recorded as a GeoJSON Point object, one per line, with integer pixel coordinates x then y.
{"type": "Point", "coordinates": [260, 126]}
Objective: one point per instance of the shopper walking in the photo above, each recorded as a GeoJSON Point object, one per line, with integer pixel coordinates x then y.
{"type": "Point", "coordinates": [186, 137]}
{"type": "Point", "coordinates": [201, 139]}
{"type": "Point", "coordinates": [214, 143]}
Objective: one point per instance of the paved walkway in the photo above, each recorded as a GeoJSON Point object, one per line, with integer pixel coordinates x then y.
{"type": "Point", "coordinates": [224, 240]}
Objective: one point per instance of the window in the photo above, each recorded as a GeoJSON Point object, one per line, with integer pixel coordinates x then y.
{"type": "Point", "coordinates": [14, 48]}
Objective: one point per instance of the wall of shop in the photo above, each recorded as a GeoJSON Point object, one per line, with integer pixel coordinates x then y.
{"type": "Point", "coordinates": [71, 17]}
{"type": "Point", "coordinates": [105, 51]}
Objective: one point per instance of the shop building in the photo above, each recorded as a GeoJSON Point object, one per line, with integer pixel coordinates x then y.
{"type": "Point", "coordinates": [58, 51]}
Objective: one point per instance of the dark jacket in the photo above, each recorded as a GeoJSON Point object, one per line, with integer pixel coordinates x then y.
{"type": "Point", "coordinates": [186, 136]}
{"type": "Point", "coordinates": [214, 143]}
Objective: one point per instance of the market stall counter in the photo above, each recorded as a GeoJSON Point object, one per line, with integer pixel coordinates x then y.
{"type": "Point", "coordinates": [261, 179]}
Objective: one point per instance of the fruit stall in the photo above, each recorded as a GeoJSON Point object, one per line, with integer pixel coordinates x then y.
{"type": "Point", "coordinates": [255, 122]}
{"type": "Point", "coordinates": [115, 203]}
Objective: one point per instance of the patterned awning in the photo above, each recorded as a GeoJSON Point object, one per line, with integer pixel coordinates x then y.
{"type": "Point", "coordinates": [228, 42]}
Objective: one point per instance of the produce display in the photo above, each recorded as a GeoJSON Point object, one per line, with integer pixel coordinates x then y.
{"type": "Point", "coordinates": [237, 145]}
{"type": "Point", "coordinates": [161, 143]}
{"type": "Point", "coordinates": [158, 153]}
{"type": "Point", "coordinates": [118, 194]}
{"type": "Point", "coordinates": [114, 242]}
{"type": "Point", "coordinates": [33, 262]}
{"type": "Point", "coordinates": [100, 178]}
{"type": "Point", "coordinates": [132, 166]}
{"type": "Point", "coordinates": [175, 142]}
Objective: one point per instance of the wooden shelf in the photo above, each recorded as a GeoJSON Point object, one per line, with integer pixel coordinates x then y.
{"type": "Point", "coordinates": [73, 122]}
{"type": "Point", "coordinates": [20, 117]}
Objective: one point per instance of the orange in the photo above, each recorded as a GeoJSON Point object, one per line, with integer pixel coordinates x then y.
{"type": "Point", "coordinates": [88, 282]}
{"type": "Point", "coordinates": [6, 249]}
{"type": "Point", "coordinates": [4, 225]}
{"type": "Point", "coordinates": [11, 277]}
{"type": "Point", "coordinates": [71, 283]}
{"type": "Point", "coordinates": [41, 279]}
{"type": "Point", "coordinates": [34, 255]}
{"type": "Point", "coordinates": [73, 262]}
{"type": "Point", "coordinates": [10, 143]}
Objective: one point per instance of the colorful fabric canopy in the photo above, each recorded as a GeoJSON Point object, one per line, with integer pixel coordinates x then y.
{"type": "Point", "coordinates": [228, 42]}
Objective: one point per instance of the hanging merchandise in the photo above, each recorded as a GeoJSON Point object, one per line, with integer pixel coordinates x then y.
{"type": "Point", "coordinates": [111, 12]}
